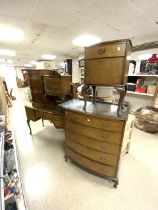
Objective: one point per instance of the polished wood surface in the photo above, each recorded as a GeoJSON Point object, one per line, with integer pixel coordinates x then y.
{"type": "Point", "coordinates": [94, 136]}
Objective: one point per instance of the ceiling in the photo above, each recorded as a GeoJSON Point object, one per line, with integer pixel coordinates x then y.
{"type": "Point", "coordinates": [50, 25]}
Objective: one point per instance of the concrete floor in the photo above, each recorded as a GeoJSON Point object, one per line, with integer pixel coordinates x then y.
{"type": "Point", "coordinates": [52, 184]}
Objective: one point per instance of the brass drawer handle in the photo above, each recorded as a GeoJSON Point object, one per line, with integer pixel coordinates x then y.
{"type": "Point", "coordinates": [105, 136]}
{"type": "Point", "coordinates": [101, 51]}
{"type": "Point", "coordinates": [105, 125]}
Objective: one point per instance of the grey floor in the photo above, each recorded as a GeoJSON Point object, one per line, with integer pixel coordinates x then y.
{"type": "Point", "coordinates": [52, 184]}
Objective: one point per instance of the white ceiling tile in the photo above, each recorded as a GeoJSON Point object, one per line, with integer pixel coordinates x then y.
{"type": "Point", "coordinates": [49, 13]}
{"type": "Point", "coordinates": [149, 8]}
{"type": "Point", "coordinates": [77, 5]}
{"type": "Point", "coordinates": [18, 8]}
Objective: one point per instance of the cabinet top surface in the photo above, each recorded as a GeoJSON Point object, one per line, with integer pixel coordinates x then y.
{"type": "Point", "coordinates": [111, 42]}
{"type": "Point", "coordinates": [97, 109]}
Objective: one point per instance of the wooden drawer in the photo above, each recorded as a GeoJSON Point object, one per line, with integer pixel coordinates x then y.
{"type": "Point", "coordinates": [98, 134]}
{"type": "Point", "coordinates": [109, 71]}
{"type": "Point", "coordinates": [56, 92]}
{"type": "Point", "coordinates": [107, 124]}
{"type": "Point", "coordinates": [51, 80]}
{"type": "Point", "coordinates": [91, 165]}
{"type": "Point", "coordinates": [31, 114]}
{"type": "Point", "coordinates": [58, 123]}
{"type": "Point", "coordinates": [105, 50]}
{"type": "Point", "coordinates": [92, 143]}
{"type": "Point", "coordinates": [92, 154]}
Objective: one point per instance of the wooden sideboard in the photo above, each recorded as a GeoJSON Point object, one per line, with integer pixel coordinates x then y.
{"type": "Point", "coordinates": [56, 116]}
{"type": "Point", "coordinates": [94, 137]}
{"type": "Point", "coordinates": [106, 64]}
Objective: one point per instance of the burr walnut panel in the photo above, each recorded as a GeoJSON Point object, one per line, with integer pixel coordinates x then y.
{"type": "Point", "coordinates": [91, 165]}
{"type": "Point", "coordinates": [92, 154]}
{"type": "Point", "coordinates": [105, 71]}
{"type": "Point", "coordinates": [92, 143]}
{"type": "Point", "coordinates": [106, 124]}
{"type": "Point", "coordinates": [108, 50]}
{"type": "Point", "coordinates": [102, 135]}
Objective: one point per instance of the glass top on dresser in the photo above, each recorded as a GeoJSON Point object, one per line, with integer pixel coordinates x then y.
{"type": "Point", "coordinates": [96, 109]}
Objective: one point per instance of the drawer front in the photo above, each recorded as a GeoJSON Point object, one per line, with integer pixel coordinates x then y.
{"type": "Point", "coordinates": [108, 50]}
{"type": "Point", "coordinates": [56, 92]}
{"type": "Point", "coordinates": [91, 165]}
{"type": "Point", "coordinates": [92, 154]}
{"type": "Point", "coordinates": [98, 134]}
{"type": "Point", "coordinates": [31, 114]}
{"type": "Point", "coordinates": [58, 123]}
{"type": "Point", "coordinates": [51, 80]}
{"type": "Point", "coordinates": [109, 71]}
{"type": "Point", "coordinates": [93, 143]}
{"type": "Point", "coordinates": [111, 125]}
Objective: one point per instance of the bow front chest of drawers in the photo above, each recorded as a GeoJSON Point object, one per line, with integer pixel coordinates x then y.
{"type": "Point", "coordinates": [94, 137]}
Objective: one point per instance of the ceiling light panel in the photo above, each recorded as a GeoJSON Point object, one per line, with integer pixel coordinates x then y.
{"type": "Point", "coordinates": [48, 57]}
{"type": "Point", "coordinates": [7, 52]}
{"type": "Point", "coordinates": [86, 40]}
{"type": "Point", "coordinates": [10, 34]}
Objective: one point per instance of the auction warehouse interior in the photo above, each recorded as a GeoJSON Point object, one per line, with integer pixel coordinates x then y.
{"type": "Point", "coordinates": [78, 105]}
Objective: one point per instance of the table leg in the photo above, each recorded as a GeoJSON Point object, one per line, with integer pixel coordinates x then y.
{"type": "Point", "coordinates": [83, 93]}
{"type": "Point", "coordinates": [43, 122]}
{"type": "Point", "coordinates": [94, 93]}
{"type": "Point", "coordinates": [122, 91]}
{"type": "Point", "coordinates": [28, 122]}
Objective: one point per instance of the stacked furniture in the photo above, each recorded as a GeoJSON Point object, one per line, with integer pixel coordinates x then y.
{"type": "Point", "coordinates": [95, 132]}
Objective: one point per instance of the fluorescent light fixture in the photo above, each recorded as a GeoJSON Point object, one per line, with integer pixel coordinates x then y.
{"type": "Point", "coordinates": [7, 52]}
{"type": "Point", "coordinates": [86, 40]}
{"type": "Point", "coordinates": [12, 34]}
{"type": "Point", "coordinates": [9, 61]}
{"type": "Point", "coordinates": [48, 57]}
{"type": "Point", "coordinates": [144, 57]}
{"type": "Point", "coordinates": [2, 60]}
{"type": "Point", "coordinates": [33, 62]}
{"type": "Point", "coordinates": [28, 65]}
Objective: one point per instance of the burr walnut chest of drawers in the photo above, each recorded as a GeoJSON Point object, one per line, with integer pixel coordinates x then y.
{"type": "Point", "coordinates": [94, 137]}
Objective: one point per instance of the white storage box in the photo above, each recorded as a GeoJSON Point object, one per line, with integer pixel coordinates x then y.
{"type": "Point", "coordinates": [104, 92]}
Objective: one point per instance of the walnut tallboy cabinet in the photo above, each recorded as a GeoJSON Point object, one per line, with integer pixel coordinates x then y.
{"type": "Point", "coordinates": [106, 64]}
